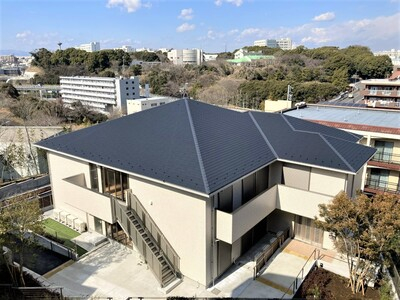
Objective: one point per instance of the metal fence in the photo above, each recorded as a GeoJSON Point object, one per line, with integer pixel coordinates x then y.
{"type": "Point", "coordinates": [143, 248]}
{"type": "Point", "coordinates": [161, 240]}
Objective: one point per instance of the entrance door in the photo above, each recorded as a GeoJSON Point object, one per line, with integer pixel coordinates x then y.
{"type": "Point", "coordinates": [306, 230]}
{"type": "Point", "coordinates": [224, 256]}
{"type": "Point", "coordinates": [98, 225]}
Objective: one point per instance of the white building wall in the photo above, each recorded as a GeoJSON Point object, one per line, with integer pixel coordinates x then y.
{"type": "Point", "coordinates": [327, 182]}
{"type": "Point", "coordinates": [186, 56]}
{"type": "Point", "coordinates": [100, 93]}
{"type": "Point", "coordinates": [182, 219]}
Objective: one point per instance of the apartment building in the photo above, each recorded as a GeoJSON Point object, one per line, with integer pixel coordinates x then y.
{"type": "Point", "coordinates": [90, 47]}
{"type": "Point", "coordinates": [186, 56]}
{"type": "Point", "coordinates": [393, 54]}
{"type": "Point", "coordinates": [194, 186]}
{"type": "Point", "coordinates": [283, 43]}
{"type": "Point", "coordinates": [382, 93]}
{"type": "Point", "coordinates": [141, 104]}
{"type": "Point", "coordinates": [379, 128]}
{"type": "Point", "coordinates": [103, 94]}
{"type": "Point", "coordinates": [271, 43]}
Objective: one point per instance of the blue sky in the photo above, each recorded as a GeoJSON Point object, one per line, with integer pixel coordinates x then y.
{"type": "Point", "coordinates": [208, 24]}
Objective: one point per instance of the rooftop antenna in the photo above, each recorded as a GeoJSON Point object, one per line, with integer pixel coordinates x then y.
{"type": "Point", "coordinates": [59, 45]}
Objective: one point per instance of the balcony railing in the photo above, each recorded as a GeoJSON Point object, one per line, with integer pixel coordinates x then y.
{"type": "Point", "coordinates": [383, 185]}
{"type": "Point", "coordinates": [386, 157]}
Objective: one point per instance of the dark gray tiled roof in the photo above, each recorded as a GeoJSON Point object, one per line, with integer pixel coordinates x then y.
{"type": "Point", "coordinates": [203, 147]}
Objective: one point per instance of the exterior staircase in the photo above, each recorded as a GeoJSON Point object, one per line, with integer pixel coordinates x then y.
{"type": "Point", "coordinates": [168, 274]}
{"type": "Point", "coordinates": [161, 258]}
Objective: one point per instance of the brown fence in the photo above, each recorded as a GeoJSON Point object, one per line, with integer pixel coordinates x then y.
{"type": "Point", "coordinates": [269, 250]}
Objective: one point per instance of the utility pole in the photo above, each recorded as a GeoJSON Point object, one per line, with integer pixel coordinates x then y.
{"type": "Point", "coordinates": [289, 93]}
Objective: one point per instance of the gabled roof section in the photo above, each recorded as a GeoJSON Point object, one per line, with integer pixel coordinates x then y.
{"type": "Point", "coordinates": [303, 142]}
{"type": "Point", "coordinates": [203, 148]}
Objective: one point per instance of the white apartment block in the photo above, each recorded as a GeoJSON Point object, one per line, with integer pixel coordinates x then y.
{"type": "Point", "coordinates": [393, 54]}
{"type": "Point", "coordinates": [266, 43]}
{"type": "Point", "coordinates": [136, 105]}
{"type": "Point", "coordinates": [125, 48]}
{"type": "Point", "coordinates": [186, 56]}
{"type": "Point", "coordinates": [283, 43]}
{"type": "Point", "coordinates": [210, 56]}
{"type": "Point", "coordinates": [91, 47]}
{"type": "Point", "coordinates": [100, 93]}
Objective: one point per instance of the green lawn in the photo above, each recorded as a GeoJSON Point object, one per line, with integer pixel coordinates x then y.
{"type": "Point", "coordinates": [62, 233]}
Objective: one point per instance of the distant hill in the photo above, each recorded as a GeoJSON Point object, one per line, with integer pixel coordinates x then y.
{"type": "Point", "coordinates": [14, 52]}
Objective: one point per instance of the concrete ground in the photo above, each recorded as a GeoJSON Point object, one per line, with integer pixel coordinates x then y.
{"type": "Point", "coordinates": [113, 270]}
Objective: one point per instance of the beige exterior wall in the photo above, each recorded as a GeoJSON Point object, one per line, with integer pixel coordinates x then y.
{"type": "Point", "coordinates": [182, 219]}
{"type": "Point", "coordinates": [278, 105]}
{"type": "Point", "coordinates": [300, 202]}
{"type": "Point", "coordinates": [231, 226]}
{"type": "Point", "coordinates": [327, 182]}
{"type": "Point", "coordinates": [69, 193]}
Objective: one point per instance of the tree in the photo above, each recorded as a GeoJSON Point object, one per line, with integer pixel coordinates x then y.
{"type": "Point", "coordinates": [19, 216]}
{"type": "Point", "coordinates": [363, 229]}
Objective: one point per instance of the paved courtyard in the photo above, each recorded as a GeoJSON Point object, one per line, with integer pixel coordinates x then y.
{"type": "Point", "coordinates": [113, 270]}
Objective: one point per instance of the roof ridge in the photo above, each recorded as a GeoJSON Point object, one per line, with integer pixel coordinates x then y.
{"type": "Point", "coordinates": [325, 140]}
{"type": "Point", "coordinates": [196, 144]}
{"type": "Point", "coordinates": [319, 133]}
{"type": "Point", "coordinates": [263, 135]}
{"type": "Point", "coordinates": [337, 153]}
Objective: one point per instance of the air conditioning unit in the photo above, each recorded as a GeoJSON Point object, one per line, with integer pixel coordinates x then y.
{"type": "Point", "coordinates": [56, 214]}
{"type": "Point", "coordinates": [79, 225]}
{"type": "Point", "coordinates": [63, 217]}
{"type": "Point", "coordinates": [70, 220]}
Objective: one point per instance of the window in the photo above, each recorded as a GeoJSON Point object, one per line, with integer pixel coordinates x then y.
{"type": "Point", "coordinates": [153, 104]}
{"type": "Point", "coordinates": [94, 179]}
{"type": "Point", "coordinates": [114, 183]}
{"type": "Point", "coordinates": [384, 151]}
{"type": "Point", "coordinates": [127, 94]}
{"type": "Point", "coordinates": [161, 103]}
{"type": "Point", "coordinates": [127, 88]}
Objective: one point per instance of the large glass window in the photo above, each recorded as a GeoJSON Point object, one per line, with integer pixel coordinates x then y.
{"type": "Point", "coordinates": [114, 183]}
{"type": "Point", "coordinates": [94, 180]}
{"type": "Point", "coordinates": [384, 151]}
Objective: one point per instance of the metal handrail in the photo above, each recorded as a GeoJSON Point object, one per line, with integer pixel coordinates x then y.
{"type": "Point", "coordinates": [387, 157]}
{"type": "Point", "coordinates": [293, 286]}
{"type": "Point", "coordinates": [162, 236]}
{"type": "Point", "coordinates": [383, 185]}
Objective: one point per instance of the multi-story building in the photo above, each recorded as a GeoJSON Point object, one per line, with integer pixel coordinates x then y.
{"type": "Point", "coordinates": [127, 49]}
{"type": "Point", "coordinates": [210, 56]}
{"type": "Point", "coordinates": [104, 94]}
{"type": "Point", "coordinates": [141, 104]}
{"type": "Point", "coordinates": [195, 186]}
{"type": "Point", "coordinates": [393, 54]}
{"type": "Point", "coordinates": [271, 43]}
{"type": "Point", "coordinates": [379, 128]}
{"type": "Point", "coordinates": [283, 43]}
{"type": "Point", "coordinates": [186, 56]}
{"type": "Point", "coordinates": [383, 93]}
{"type": "Point", "coordinates": [91, 47]}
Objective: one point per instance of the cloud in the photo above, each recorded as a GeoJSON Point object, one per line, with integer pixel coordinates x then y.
{"type": "Point", "coordinates": [129, 5]}
{"type": "Point", "coordinates": [186, 14]}
{"type": "Point", "coordinates": [234, 2]}
{"type": "Point", "coordinates": [328, 16]}
{"type": "Point", "coordinates": [23, 35]}
{"type": "Point", "coordinates": [377, 33]}
{"type": "Point", "coordinates": [185, 27]}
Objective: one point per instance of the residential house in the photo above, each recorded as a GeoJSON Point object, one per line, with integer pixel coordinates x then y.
{"type": "Point", "coordinates": [379, 128]}
{"type": "Point", "coordinates": [194, 186]}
